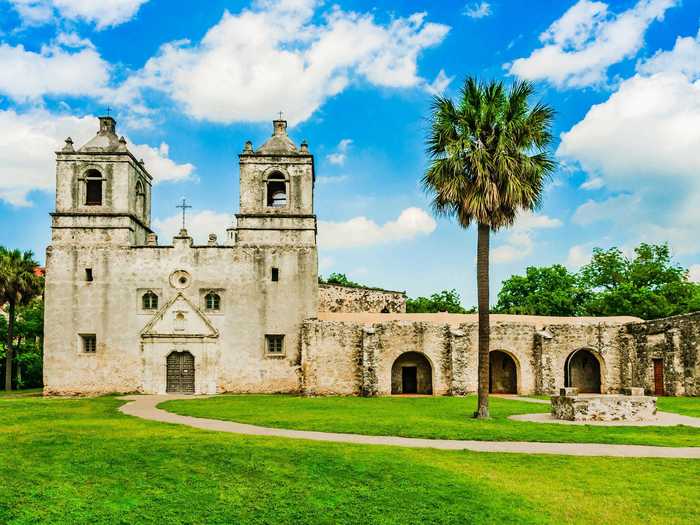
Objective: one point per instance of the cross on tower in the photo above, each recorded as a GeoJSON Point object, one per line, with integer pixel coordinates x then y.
{"type": "Point", "coordinates": [109, 111]}
{"type": "Point", "coordinates": [184, 206]}
{"type": "Point", "coordinates": [280, 115]}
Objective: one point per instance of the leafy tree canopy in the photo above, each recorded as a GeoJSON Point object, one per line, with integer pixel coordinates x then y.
{"type": "Point", "coordinates": [649, 285]}
{"type": "Point", "coordinates": [551, 290]}
{"type": "Point", "coordinates": [341, 280]}
{"type": "Point", "coordinates": [445, 301]}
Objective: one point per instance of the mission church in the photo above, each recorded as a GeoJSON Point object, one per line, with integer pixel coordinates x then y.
{"type": "Point", "coordinates": [127, 313]}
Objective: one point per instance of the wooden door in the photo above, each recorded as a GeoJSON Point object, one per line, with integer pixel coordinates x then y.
{"type": "Point", "coordinates": [659, 377]}
{"type": "Point", "coordinates": [180, 372]}
{"type": "Point", "coordinates": [409, 379]}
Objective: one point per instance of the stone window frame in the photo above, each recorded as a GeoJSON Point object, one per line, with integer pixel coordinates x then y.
{"type": "Point", "coordinates": [275, 339]}
{"type": "Point", "coordinates": [140, 292]}
{"type": "Point", "coordinates": [203, 292]}
{"type": "Point", "coordinates": [87, 343]}
{"type": "Point", "coordinates": [82, 187]}
{"type": "Point", "coordinates": [274, 173]}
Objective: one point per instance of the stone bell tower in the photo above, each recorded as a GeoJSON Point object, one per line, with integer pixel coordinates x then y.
{"type": "Point", "coordinates": [103, 193]}
{"type": "Point", "coordinates": [276, 193]}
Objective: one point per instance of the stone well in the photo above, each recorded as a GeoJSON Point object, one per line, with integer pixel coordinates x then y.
{"type": "Point", "coordinates": [633, 405]}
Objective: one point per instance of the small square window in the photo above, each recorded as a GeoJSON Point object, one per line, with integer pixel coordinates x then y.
{"type": "Point", "coordinates": [88, 275]}
{"type": "Point", "coordinates": [149, 301]}
{"type": "Point", "coordinates": [275, 344]}
{"type": "Point", "coordinates": [275, 274]}
{"type": "Point", "coordinates": [89, 343]}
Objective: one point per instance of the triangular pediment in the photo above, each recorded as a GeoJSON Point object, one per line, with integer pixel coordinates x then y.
{"type": "Point", "coordinates": [179, 317]}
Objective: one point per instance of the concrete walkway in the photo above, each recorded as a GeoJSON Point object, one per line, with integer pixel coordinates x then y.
{"type": "Point", "coordinates": [146, 407]}
{"type": "Point", "coordinates": [662, 419]}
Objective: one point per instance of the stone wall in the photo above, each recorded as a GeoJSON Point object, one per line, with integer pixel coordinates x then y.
{"type": "Point", "coordinates": [346, 299]}
{"type": "Point", "coordinates": [675, 341]}
{"type": "Point", "coordinates": [354, 354]}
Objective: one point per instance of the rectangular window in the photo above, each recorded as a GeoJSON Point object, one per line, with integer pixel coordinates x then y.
{"type": "Point", "coordinates": [275, 344]}
{"type": "Point", "coordinates": [89, 343]}
{"type": "Point", "coordinates": [88, 274]}
{"type": "Point", "coordinates": [275, 274]}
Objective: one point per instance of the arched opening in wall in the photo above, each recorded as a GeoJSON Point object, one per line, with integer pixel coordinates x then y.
{"type": "Point", "coordinates": [582, 371]}
{"type": "Point", "coordinates": [93, 188]}
{"type": "Point", "coordinates": [503, 373]}
{"type": "Point", "coordinates": [412, 373]}
{"type": "Point", "coordinates": [180, 373]}
{"type": "Point", "coordinates": [140, 200]}
{"type": "Point", "coordinates": [276, 188]}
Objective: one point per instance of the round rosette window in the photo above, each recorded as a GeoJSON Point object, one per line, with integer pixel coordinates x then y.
{"type": "Point", "coordinates": [180, 279]}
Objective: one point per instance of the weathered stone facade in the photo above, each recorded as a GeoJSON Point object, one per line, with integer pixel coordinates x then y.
{"type": "Point", "coordinates": [118, 303]}
{"type": "Point", "coordinates": [127, 314]}
{"type": "Point", "coordinates": [346, 299]}
{"type": "Point", "coordinates": [353, 354]}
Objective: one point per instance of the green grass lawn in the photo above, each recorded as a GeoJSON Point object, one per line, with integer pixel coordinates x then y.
{"type": "Point", "coordinates": [687, 406]}
{"type": "Point", "coordinates": [74, 461]}
{"type": "Point", "coordinates": [426, 417]}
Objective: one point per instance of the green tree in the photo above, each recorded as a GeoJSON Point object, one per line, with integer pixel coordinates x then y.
{"type": "Point", "coordinates": [649, 285]}
{"type": "Point", "coordinates": [340, 279]}
{"type": "Point", "coordinates": [29, 332]}
{"type": "Point", "coordinates": [445, 301]}
{"type": "Point", "coordinates": [18, 286]}
{"type": "Point", "coordinates": [489, 159]}
{"type": "Point", "coordinates": [550, 290]}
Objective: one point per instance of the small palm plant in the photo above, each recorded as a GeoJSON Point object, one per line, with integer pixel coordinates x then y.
{"type": "Point", "coordinates": [18, 286]}
{"type": "Point", "coordinates": [489, 160]}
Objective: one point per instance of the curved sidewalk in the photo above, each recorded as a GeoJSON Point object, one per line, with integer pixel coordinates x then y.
{"type": "Point", "coordinates": [146, 407]}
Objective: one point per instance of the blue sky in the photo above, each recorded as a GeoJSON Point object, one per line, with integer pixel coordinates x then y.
{"type": "Point", "coordinates": [189, 83]}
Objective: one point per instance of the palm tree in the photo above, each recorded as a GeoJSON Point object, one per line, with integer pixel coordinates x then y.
{"type": "Point", "coordinates": [18, 286]}
{"type": "Point", "coordinates": [489, 160]}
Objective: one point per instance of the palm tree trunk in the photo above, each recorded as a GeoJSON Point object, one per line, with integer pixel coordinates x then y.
{"type": "Point", "coordinates": [8, 346]}
{"type": "Point", "coordinates": [482, 285]}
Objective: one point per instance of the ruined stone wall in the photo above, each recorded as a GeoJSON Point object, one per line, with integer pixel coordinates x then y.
{"type": "Point", "coordinates": [673, 340]}
{"type": "Point", "coordinates": [356, 358]}
{"type": "Point", "coordinates": [334, 298]}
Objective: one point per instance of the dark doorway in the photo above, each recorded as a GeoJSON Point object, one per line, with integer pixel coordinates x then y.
{"type": "Point", "coordinates": [659, 389]}
{"type": "Point", "coordinates": [582, 371]}
{"type": "Point", "coordinates": [409, 379]}
{"type": "Point", "coordinates": [503, 375]}
{"type": "Point", "coordinates": [412, 373]}
{"type": "Point", "coordinates": [180, 373]}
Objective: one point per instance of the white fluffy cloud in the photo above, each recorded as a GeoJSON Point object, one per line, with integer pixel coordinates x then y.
{"type": "Point", "coordinates": [28, 142]}
{"type": "Point", "coordinates": [340, 154]}
{"type": "Point", "coordinates": [199, 226]}
{"type": "Point", "coordinates": [579, 48]}
{"type": "Point", "coordinates": [579, 255]}
{"type": "Point", "coordinates": [520, 241]}
{"type": "Point", "coordinates": [54, 70]}
{"type": "Point", "coordinates": [361, 231]}
{"type": "Point", "coordinates": [641, 145]}
{"type": "Point", "coordinates": [102, 13]}
{"type": "Point", "coordinates": [285, 55]}
{"type": "Point", "coordinates": [694, 273]}
{"type": "Point", "coordinates": [477, 10]}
